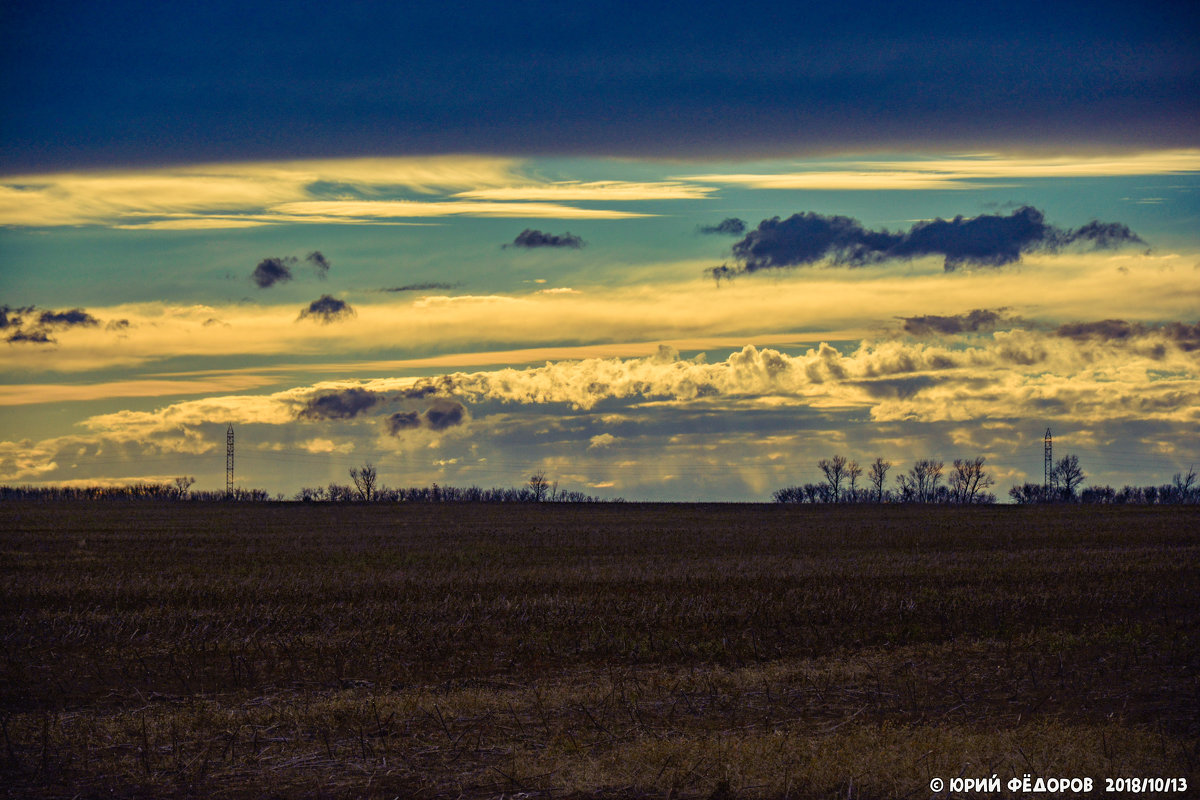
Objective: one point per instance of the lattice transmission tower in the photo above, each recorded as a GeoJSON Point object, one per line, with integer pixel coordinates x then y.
{"type": "Point", "coordinates": [229, 461]}
{"type": "Point", "coordinates": [1049, 468]}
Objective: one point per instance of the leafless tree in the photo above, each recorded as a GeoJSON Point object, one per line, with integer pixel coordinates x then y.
{"type": "Point", "coordinates": [920, 483]}
{"type": "Point", "coordinates": [1184, 483]}
{"type": "Point", "coordinates": [1068, 475]}
{"type": "Point", "coordinates": [182, 485]}
{"type": "Point", "coordinates": [969, 480]}
{"type": "Point", "coordinates": [538, 485]}
{"type": "Point", "coordinates": [365, 481]}
{"type": "Point", "coordinates": [853, 473]}
{"type": "Point", "coordinates": [835, 472]}
{"type": "Point", "coordinates": [878, 476]}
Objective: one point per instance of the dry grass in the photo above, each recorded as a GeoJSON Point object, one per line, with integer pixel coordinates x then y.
{"type": "Point", "coordinates": [181, 650]}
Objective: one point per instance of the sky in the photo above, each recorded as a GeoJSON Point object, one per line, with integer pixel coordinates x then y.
{"type": "Point", "coordinates": [660, 252]}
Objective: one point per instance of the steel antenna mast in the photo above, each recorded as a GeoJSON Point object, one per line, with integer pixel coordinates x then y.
{"type": "Point", "coordinates": [1049, 467]}
{"type": "Point", "coordinates": [229, 461]}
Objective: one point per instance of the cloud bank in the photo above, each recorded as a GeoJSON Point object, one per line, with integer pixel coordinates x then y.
{"type": "Point", "coordinates": [598, 418]}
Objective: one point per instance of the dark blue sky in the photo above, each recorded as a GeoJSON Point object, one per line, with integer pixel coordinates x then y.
{"type": "Point", "coordinates": [123, 83]}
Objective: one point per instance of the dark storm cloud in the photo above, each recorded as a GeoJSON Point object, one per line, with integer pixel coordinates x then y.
{"type": "Point", "coordinates": [32, 337]}
{"type": "Point", "coordinates": [319, 262]}
{"type": "Point", "coordinates": [989, 240]}
{"type": "Point", "coordinates": [345, 404]}
{"type": "Point", "coordinates": [441, 414]}
{"type": "Point", "coordinates": [445, 414]}
{"type": "Point", "coordinates": [730, 226]}
{"type": "Point", "coordinates": [530, 238]}
{"type": "Point", "coordinates": [326, 309]}
{"type": "Point", "coordinates": [13, 317]}
{"type": "Point", "coordinates": [402, 421]}
{"type": "Point", "coordinates": [29, 325]}
{"type": "Point", "coordinates": [1184, 336]}
{"type": "Point", "coordinates": [67, 319]}
{"type": "Point", "coordinates": [418, 392]}
{"type": "Point", "coordinates": [981, 320]}
{"type": "Point", "coordinates": [1104, 235]}
{"type": "Point", "coordinates": [808, 238]}
{"type": "Point", "coordinates": [271, 271]}
{"type": "Point", "coordinates": [118, 325]}
{"type": "Point", "coordinates": [1106, 330]}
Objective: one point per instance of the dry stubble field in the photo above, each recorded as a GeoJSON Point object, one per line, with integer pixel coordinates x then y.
{"type": "Point", "coordinates": [239, 651]}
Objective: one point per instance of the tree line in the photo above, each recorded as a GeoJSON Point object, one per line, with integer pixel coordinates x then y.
{"type": "Point", "coordinates": [1066, 486]}
{"type": "Point", "coordinates": [967, 483]}
{"type": "Point", "coordinates": [180, 489]}
{"type": "Point", "coordinates": [364, 487]}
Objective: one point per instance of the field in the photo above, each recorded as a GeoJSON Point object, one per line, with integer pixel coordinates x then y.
{"type": "Point", "coordinates": [592, 651]}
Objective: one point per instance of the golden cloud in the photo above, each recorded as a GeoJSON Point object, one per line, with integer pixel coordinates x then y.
{"type": "Point", "coordinates": [247, 195]}
{"type": "Point", "coordinates": [953, 173]}
{"type": "Point", "coordinates": [792, 308]}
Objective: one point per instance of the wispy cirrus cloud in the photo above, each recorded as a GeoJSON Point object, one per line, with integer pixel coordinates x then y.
{"type": "Point", "coordinates": [603, 191]}
{"type": "Point", "coordinates": [366, 210]}
{"type": "Point", "coordinates": [968, 172]}
{"type": "Point", "coordinates": [345, 190]}
{"type": "Point", "coordinates": [44, 393]}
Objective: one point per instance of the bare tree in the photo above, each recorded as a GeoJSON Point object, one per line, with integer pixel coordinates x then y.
{"type": "Point", "coordinates": [1184, 483]}
{"type": "Point", "coordinates": [878, 476]}
{"type": "Point", "coordinates": [182, 485]}
{"type": "Point", "coordinates": [365, 481]}
{"type": "Point", "coordinates": [920, 483]}
{"type": "Point", "coordinates": [1068, 475]}
{"type": "Point", "coordinates": [835, 472]}
{"type": "Point", "coordinates": [538, 485]}
{"type": "Point", "coordinates": [853, 473]}
{"type": "Point", "coordinates": [969, 480]}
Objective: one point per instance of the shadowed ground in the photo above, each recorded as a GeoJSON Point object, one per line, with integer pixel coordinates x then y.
{"type": "Point", "coordinates": [186, 650]}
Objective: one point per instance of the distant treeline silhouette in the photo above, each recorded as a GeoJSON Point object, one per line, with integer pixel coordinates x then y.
{"type": "Point", "coordinates": [130, 492]}
{"type": "Point", "coordinates": [967, 483]}
{"type": "Point", "coordinates": [364, 489]}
